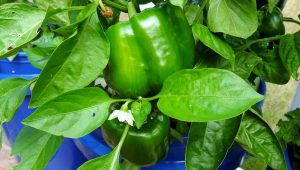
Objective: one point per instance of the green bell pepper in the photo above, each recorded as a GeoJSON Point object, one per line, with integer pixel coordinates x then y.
{"type": "Point", "coordinates": [143, 147]}
{"type": "Point", "coordinates": [147, 49]}
{"type": "Point", "coordinates": [272, 22]}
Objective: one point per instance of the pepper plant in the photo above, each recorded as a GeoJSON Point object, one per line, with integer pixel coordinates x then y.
{"type": "Point", "coordinates": [180, 68]}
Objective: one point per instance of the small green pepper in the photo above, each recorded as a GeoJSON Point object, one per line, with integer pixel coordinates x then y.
{"type": "Point", "coordinates": [143, 147]}
{"type": "Point", "coordinates": [272, 22]}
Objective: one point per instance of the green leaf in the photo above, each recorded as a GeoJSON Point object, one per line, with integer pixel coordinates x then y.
{"type": "Point", "coordinates": [37, 56]}
{"type": "Point", "coordinates": [190, 12]}
{"type": "Point", "coordinates": [44, 47]}
{"type": "Point", "coordinates": [234, 17]}
{"type": "Point", "coordinates": [103, 162]}
{"type": "Point", "coordinates": [272, 4]}
{"type": "Point", "coordinates": [271, 69]}
{"type": "Point", "coordinates": [12, 94]}
{"type": "Point", "coordinates": [186, 95]}
{"type": "Point", "coordinates": [245, 63]}
{"type": "Point", "coordinates": [48, 40]}
{"type": "Point", "coordinates": [109, 161]}
{"type": "Point", "coordinates": [251, 162]}
{"type": "Point", "coordinates": [179, 3]}
{"type": "Point", "coordinates": [140, 110]}
{"type": "Point", "coordinates": [209, 142]}
{"type": "Point", "coordinates": [289, 128]}
{"type": "Point", "coordinates": [214, 42]}
{"type": "Point", "coordinates": [256, 137]}
{"type": "Point", "coordinates": [62, 18]}
{"type": "Point", "coordinates": [35, 148]}
{"type": "Point", "coordinates": [73, 114]}
{"type": "Point", "coordinates": [19, 25]}
{"type": "Point", "coordinates": [177, 135]}
{"type": "Point", "coordinates": [74, 64]}
{"type": "Point", "coordinates": [89, 10]}
{"type": "Point", "coordinates": [106, 162]}
{"type": "Point", "coordinates": [289, 50]}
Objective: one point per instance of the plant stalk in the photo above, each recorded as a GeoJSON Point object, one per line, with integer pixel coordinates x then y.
{"type": "Point", "coordinates": [198, 14]}
{"type": "Point", "coordinates": [244, 47]}
{"type": "Point", "coordinates": [115, 5]}
{"type": "Point", "coordinates": [291, 20]}
{"type": "Point", "coordinates": [131, 9]}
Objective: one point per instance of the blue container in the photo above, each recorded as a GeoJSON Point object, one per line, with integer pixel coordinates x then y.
{"type": "Point", "coordinates": [68, 157]}
{"type": "Point", "coordinates": [93, 145]}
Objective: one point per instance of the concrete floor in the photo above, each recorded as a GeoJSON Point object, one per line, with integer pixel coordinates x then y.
{"type": "Point", "coordinates": [277, 102]}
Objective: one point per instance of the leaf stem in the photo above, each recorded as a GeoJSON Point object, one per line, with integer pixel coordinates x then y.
{"type": "Point", "coordinates": [122, 2]}
{"type": "Point", "coordinates": [254, 111]}
{"type": "Point", "coordinates": [131, 9]}
{"type": "Point", "coordinates": [151, 98]}
{"type": "Point", "coordinates": [122, 138]}
{"type": "Point", "coordinates": [291, 20]}
{"type": "Point", "coordinates": [122, 100]}
{"type": "Point", "coordinates": [244, 47]}
{"type": "Point", "coordinates": [198, 13]}
{"type": "Point", "coordinates": [119, 146]}
{"type": "Point", "coordinates": [115, 5]}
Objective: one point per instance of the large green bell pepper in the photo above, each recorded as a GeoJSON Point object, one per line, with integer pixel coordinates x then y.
{"type": "Point", "coordinates": [145, 146]}
{"type": "Point", "coordinates": [148, 48]}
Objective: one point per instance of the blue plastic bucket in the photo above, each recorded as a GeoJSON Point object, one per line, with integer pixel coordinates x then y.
{"type": "Point", "coordinates": [68, 157]}
{"type": "Point", "coordinates": [93, 145]}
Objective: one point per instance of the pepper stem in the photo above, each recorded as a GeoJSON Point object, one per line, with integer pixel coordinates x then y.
{"type": "Point", "coordinates": [102, 6]}
{"type": "Point", "coordinates": [131, 9]}
{"type": "Point", "coordinates": [124, 107]}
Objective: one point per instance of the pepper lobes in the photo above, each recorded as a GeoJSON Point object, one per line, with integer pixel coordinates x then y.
{"type": "Point", "coordinates": [148, 48]}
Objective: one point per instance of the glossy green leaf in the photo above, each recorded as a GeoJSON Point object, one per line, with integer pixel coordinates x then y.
{"type": "Point", "coordinates": [272, 4]}
{"type": "Point", "coordinates": [37, 56]}
{"type": "Point", "coordinates": [271, 69]}
{"type": "Point", "coordinates": [19, 25]}
{"type": "Point", "coordinates": [43, 48]}
{"type": "Point", "coordinates": [6, 1]}
{"type": "Point", "coordinates": [48, 40]}
{"type": "Point", "coordinates": [179, 3]}
{"type": "Point", "coordinates": [209, 142]}
{"type": "Point", "coordinates": [106, 162]}
{"type": "Point", "coordinates": [71, 65]}
{"type": "Point", "coordinates": [83, 15]}
{"type": "Point", "coordinates": [289, 50]}
{"type": "Point", "coordinates": [35, 148]}
{"type": "Point", "coordinates": [72, 114]}
{"type": "Point", "coordinates": [109, 161]}
{"type": "Point", "coordinates": [190, 12]}
{"type": "Point", "coordinates": [61, 18]}
{"type": "Point", "coordinates": [140, 110]}
{"type": "Point", "coordinates": [245, 63]}
{"type": "Point", "coordinates": [289, 127]}
{"type": "Point", "coordinates": [186, 95]}
{"type": "Point", "coordinates": [234, 17]}
{"type": "Point", "coordinates": [215, 43]}
{"type": "Point", "coordinates": [256, 137]}
{"type": "Point", "coordinates": [12, 94]}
